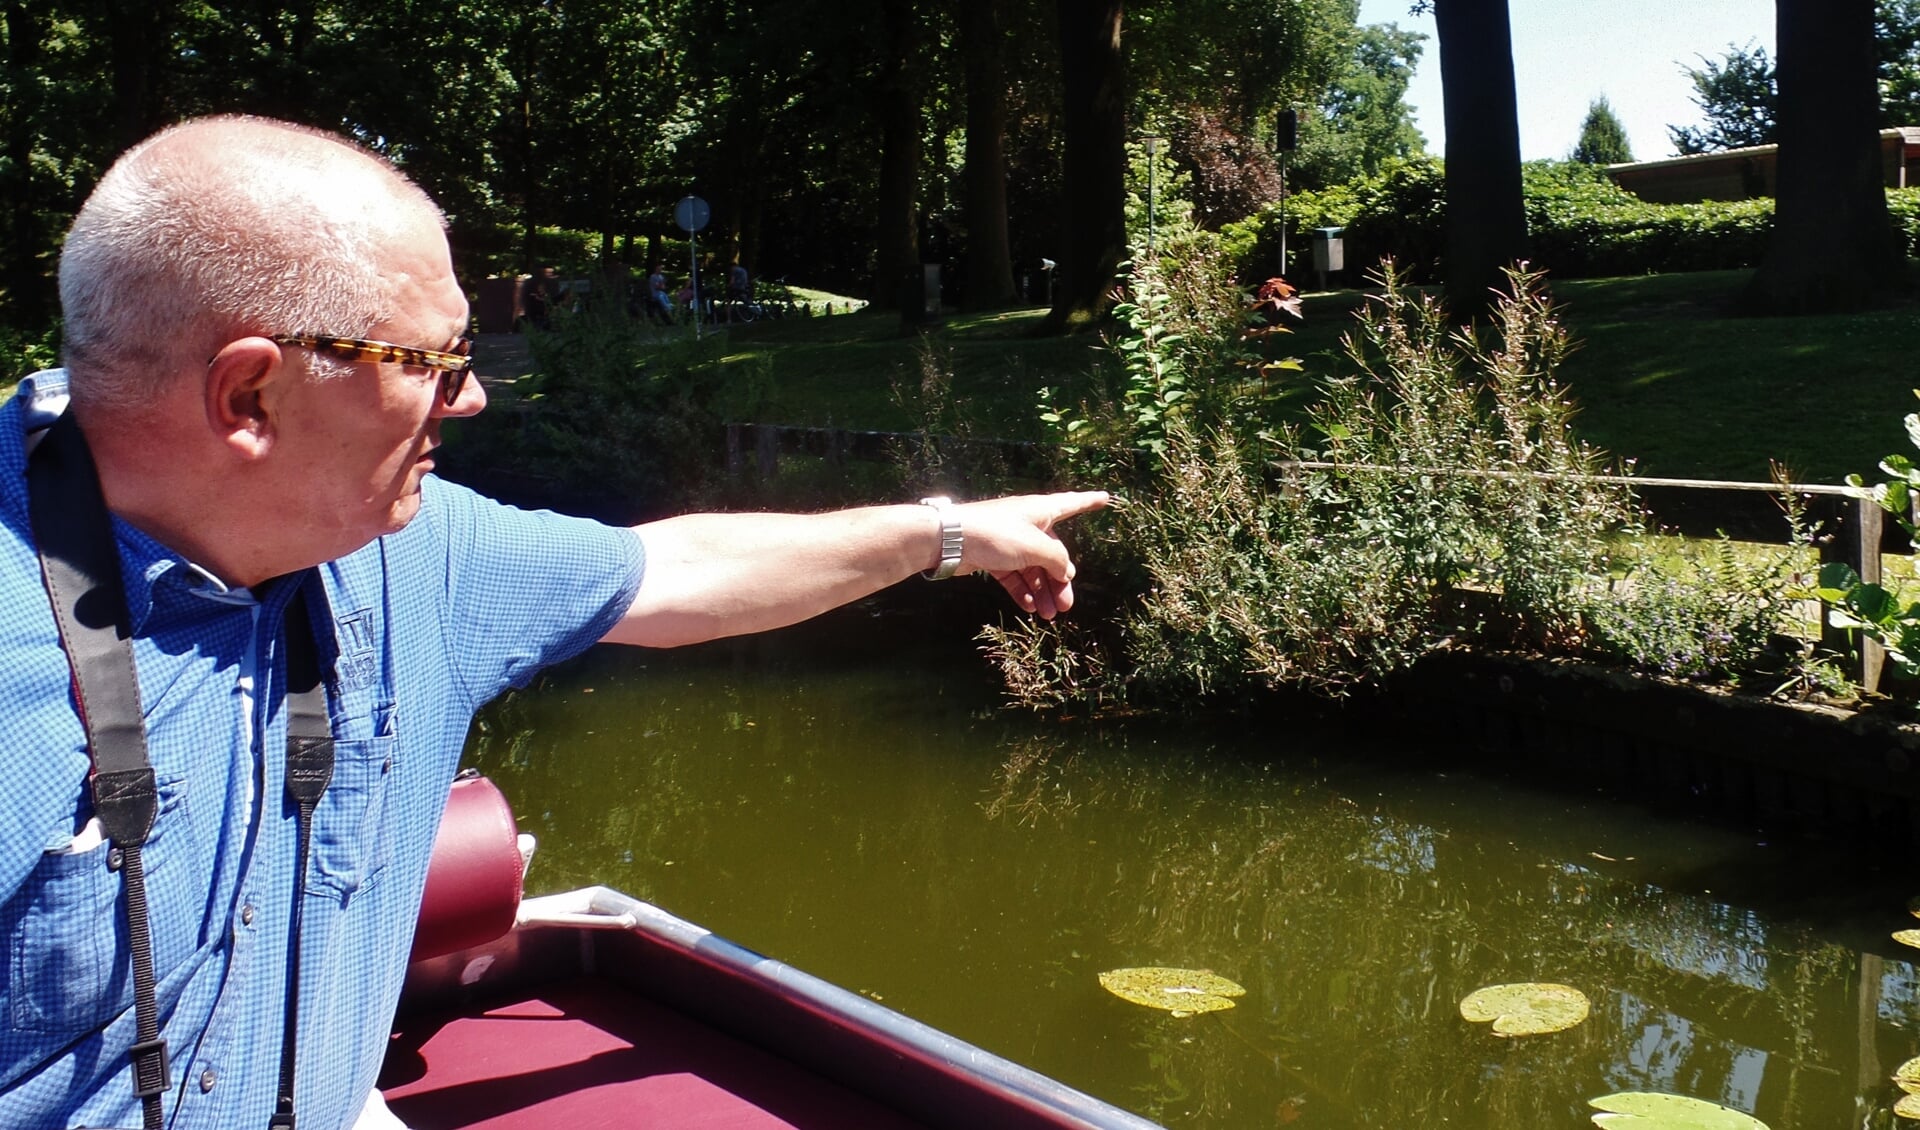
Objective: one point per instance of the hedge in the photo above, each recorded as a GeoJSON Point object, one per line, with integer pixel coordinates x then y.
{"type": "Point", "coordinates": [1580, 224]}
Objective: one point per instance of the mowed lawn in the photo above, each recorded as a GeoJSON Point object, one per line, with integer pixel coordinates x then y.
{"type": "Point", "coordinates": [1666, 374]}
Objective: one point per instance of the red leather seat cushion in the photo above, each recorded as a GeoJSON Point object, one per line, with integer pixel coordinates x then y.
{"type": "Point", "coordinates": [473, 881]}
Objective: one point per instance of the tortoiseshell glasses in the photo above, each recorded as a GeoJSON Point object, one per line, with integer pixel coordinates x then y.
{"type": "Point", "coordinates": [453, 365]}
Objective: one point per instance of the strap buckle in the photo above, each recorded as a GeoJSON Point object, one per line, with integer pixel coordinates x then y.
{"type": "Point", "coordinates": [150, 1072]}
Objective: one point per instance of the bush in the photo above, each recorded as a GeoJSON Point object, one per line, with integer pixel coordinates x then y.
{"type": "Point", "coordinates": [1438, 498]}
{"type": "Point", "coordinates": [1398, 213]}
{"type": "Point", "coordinates": [1904, 204]}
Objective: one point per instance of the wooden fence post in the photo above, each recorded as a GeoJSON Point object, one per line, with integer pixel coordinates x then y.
{"type": "Point", "coordinates": [766, 451]}
{"type": "Point", "coordinates": [1855, 541]}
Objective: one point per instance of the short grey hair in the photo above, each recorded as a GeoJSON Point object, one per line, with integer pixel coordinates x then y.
{"type": "Point", "coordinates": [221, 227]}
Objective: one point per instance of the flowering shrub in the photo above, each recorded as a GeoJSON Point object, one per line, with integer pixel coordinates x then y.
{"type": "Point", "coordinates": [1415, 481]}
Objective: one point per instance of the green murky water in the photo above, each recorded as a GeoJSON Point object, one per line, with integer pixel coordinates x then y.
{"type": "Point", "coordinates": [875, 821]}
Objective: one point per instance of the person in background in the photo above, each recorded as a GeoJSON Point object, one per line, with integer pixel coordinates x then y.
{"type": "Point", "coordinates": [659, 302]}
{"type": "Point", "coordinates": [263, 339]}
{"type": "Point", "coordinates": [543, 290]}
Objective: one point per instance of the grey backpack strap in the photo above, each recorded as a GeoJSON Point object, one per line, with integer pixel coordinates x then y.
{"type": "Point", "coordinates": [81, 567]}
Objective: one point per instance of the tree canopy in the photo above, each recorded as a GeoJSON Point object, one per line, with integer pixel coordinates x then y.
{"type": "Point", "coordinates": [840, 142]}
{"type": "Point", "coordinates": [1736, 96]}
{"type": "Point", "coordinates": [1363, 120]}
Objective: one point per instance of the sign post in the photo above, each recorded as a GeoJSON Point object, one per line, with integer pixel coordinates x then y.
{"type": "Point", "coordinates": [692, 214]}
{"type": "Point", "coordinates": [1153, 148]}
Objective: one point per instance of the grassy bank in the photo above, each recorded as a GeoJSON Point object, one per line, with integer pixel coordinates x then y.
{"type": "Point", "coordinates": [1666, 374]}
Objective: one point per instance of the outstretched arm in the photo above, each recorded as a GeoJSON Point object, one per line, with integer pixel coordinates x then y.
{"type": "Point", "coordinates": [714, 575]}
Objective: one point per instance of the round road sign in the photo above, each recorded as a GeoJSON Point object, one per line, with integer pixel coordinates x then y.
{"type": "Point", "coordinates": [691, 213]}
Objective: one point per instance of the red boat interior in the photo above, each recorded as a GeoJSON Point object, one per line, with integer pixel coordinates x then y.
{"type": "Point", "coordinates": [599, 1011]}
{"type": "Point", "coordinates": [586, 1053]}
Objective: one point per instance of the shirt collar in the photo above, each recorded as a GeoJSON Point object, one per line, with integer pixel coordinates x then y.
{"type": "Point", "coordinates": [147, 568]}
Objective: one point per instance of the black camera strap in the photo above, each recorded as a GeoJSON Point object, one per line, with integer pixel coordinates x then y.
{"type": "Point", "coordinates": [309, 768]}
{"type": "Point", "coordinates": [80, 565]}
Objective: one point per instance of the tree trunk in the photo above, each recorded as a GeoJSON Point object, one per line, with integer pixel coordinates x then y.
{"type": "Point", "coordinates": [1093, 159]}
{"type": "Point", "coordinates": [1486, 216]}
{"type": "Point", "coordinates": [1833, 243]}
{"type": "Point", "coordinates": [989, 264]}
{"type": "Point", "coordinates": [137, 40]}
{"type": "Point", "coordinates": [521, 65]}
{"type": "Point", "coordinates": [896, 227]}
{"type": "Point", "coordinates": [23, 277]}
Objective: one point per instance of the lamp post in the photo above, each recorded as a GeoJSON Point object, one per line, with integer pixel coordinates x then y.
{"type": "Point", "coordinates": [1153, 148]}
{"type": "Point", "coordinates": [1286, 131]}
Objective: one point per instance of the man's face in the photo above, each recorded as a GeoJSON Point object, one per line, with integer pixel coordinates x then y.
{"type": "Point", "coordinates": [362, 443]}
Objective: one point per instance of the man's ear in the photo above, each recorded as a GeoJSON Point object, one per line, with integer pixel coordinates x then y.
{"type": "Point", "coordinates": [245, 384]}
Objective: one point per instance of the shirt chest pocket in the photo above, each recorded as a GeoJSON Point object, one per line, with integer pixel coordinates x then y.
{"type": "Point", "coordinates": [351, 831]}
{"type": "Point", "coordinates": [69, 966]}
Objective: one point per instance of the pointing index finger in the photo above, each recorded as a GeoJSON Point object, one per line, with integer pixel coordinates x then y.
{"type": "Point", "coordinates": [1074, 503]}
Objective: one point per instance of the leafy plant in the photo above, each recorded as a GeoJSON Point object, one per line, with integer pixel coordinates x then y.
{"type": "Point", "coordinates": [1867, 607]}
{"type": "Point", "coordinates": [1580, 224]}
{"type": "Point", "coordinates": [23, 352]}
{"type": "Point", "coordinates": [1193, 347]}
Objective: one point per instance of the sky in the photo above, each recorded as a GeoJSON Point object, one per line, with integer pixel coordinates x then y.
{"type": "Point", "coordinates": [1566, 53]}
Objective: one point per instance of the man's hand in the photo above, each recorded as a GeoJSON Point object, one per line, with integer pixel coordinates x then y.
{"type": "Point", "coordinates": [1013, 540]}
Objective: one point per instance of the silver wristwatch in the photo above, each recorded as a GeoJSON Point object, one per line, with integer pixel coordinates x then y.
{"type": "Point", "coordinates": [951, 539]}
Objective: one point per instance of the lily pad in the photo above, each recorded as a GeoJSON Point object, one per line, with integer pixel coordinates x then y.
{"type": "Point", "coordinates": [1526, 1009]}
{"type": "Point", "coordinates": [1182, 992]}
{"type": "Point", "coordinates": [1907, 1076]}
{"type": "Point", "coordinates": [1651, 1110]}
{"type": "Point", "coordinates": [1908, 1106]}
{"type": "Point", "coordinates": [1907, 938]}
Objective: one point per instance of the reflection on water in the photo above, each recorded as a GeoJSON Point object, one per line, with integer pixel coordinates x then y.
{"type": "Point", "coordinates": [879, 824]}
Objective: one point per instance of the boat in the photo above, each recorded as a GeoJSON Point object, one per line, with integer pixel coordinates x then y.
{"type": "Point", "coordinates": [593, 1009]}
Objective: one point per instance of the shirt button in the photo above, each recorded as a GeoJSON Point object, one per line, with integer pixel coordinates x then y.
{"type": "Point", "coordinates": [246, 915]}
{"type": "Point", "coordinates": [207, 1080]}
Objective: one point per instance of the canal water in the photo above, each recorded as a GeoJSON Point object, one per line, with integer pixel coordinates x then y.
{"type": "Point", "coordinates": [868, 814]}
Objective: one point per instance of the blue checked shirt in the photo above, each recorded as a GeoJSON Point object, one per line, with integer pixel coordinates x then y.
{"type": "Point", "coordinates": [428, 624]}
